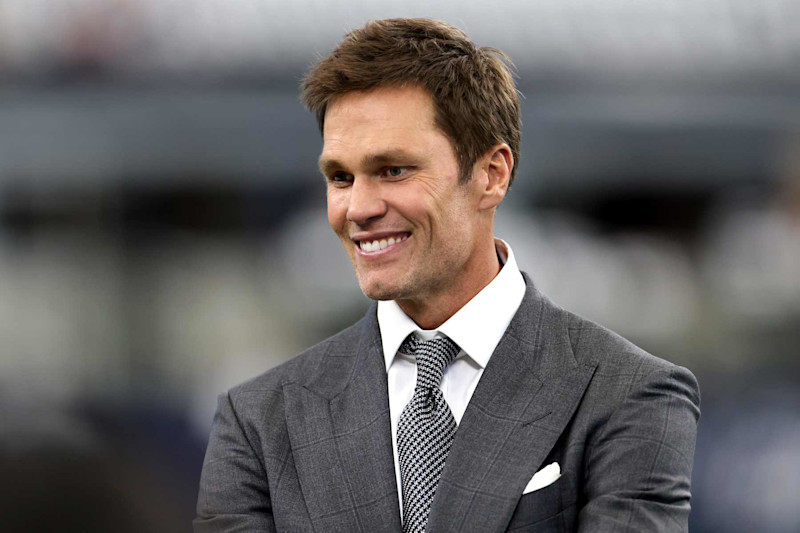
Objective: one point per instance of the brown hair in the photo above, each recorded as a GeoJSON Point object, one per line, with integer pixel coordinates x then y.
{"type": "Point", "coordinates": [474, 95]}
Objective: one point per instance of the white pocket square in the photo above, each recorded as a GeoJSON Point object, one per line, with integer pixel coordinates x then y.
{"type": "Point", "coordinates": [544, 477]}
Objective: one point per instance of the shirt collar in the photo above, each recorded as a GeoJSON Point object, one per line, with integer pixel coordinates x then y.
{"type": "Point", "coordinates": [477, 327]}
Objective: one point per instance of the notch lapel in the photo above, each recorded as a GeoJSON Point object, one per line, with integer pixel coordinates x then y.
{"type": "Point", "coordinates": [340, 434]}
{"type": "Point", "coordinates": [525, 398]}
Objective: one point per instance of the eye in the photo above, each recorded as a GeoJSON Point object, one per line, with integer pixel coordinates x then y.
{"type": "Point", "coordinates": [395, 172]}
{"type": "Point", "coordinates": [340, 177]}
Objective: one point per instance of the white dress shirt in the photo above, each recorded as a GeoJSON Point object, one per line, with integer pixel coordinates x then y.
{"type": "Point", "coordinates": [476, 328]}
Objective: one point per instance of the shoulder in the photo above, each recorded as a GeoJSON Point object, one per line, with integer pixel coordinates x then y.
{"type": "Point", "coordinates": [610, 351]}
{"type": "Point", "coordinates": [300, 368]}
{"type": "Point", "coordinates": [623, 369]}
{"type": "Point", "coordinates": [619, 363]}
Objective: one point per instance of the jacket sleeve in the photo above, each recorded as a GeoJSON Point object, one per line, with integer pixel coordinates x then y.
{"type": "Point", "coordinates": [234, 495]}
{"type": "Point", "coordinates": [639, 464]}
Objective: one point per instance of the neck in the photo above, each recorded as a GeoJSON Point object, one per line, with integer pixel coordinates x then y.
{"type": "Point", "coordinates": [434, 311]}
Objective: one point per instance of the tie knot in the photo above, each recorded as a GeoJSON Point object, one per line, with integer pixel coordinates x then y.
{"type": "Point", "coordinates": [432, 357]}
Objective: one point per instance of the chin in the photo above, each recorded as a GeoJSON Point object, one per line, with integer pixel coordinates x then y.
{"type": "Point", "coordinates": [374, 294]}
{"type": "Point", "coordinates": [377, 290]}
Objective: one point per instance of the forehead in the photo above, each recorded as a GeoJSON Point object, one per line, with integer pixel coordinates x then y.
{"type": "Point", "coordinates": [381, 102]}
{"type": "Point", "coordinates": [385, 115]}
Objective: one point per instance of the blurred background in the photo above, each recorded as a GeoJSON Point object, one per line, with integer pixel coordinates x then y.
{"type": "Point", "coordinates": [163, 233]}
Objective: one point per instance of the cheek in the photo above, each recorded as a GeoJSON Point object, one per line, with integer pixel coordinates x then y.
{"type": "Point", "coordinates": [450, 217]}
{"type": "Point", "coordinates": [337, 211]}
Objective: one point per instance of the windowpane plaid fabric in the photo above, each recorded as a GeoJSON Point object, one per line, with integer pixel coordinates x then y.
{"type": "Point", "coordinates": [425, 431]}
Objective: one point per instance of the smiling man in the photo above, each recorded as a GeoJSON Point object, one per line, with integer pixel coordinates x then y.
{"type": "Point", "coordinates": [464, 400]}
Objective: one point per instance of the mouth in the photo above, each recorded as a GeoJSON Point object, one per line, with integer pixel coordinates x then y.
{"type": "Point", "coordinates": [374, 245]}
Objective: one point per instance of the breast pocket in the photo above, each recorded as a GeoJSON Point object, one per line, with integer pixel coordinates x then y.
{"type": "Point", "coordinates": [548, 509]}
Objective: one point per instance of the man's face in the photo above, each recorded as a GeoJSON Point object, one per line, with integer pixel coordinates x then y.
{"type": "Point", "coordinates": [394, 197]}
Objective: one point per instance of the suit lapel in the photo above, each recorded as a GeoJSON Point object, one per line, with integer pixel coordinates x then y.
{"type": "Point", "coordinates": [340, 434]}
{"type": "Point", "coordinates": [525, 398]}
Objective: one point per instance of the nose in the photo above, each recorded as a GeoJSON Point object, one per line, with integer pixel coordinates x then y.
{"type": "Point", "coordinates": [366, 202]}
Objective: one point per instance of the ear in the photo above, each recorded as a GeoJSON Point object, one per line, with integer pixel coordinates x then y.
{"type": "Point", "coordinates": [494, 173]}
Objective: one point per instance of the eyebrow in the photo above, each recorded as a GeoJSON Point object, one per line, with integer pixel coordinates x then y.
{"type": "Point", "coordinates": [327, 166]}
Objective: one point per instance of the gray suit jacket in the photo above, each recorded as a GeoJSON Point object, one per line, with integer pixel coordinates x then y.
{"type": "Point", "coordinates": [307, 445]}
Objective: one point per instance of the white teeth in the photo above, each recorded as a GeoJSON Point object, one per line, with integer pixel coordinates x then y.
{"type": "Point", "coordinates": [376, 245]}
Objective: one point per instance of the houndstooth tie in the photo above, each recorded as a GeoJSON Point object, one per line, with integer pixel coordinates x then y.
{"type": "Point", "coordinates": [425, 431]}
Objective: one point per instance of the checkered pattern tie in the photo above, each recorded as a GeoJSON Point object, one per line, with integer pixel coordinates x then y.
{"type": "Point", "coordinates": [425, 431]}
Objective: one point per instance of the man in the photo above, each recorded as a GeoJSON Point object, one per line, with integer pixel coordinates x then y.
{"type": "Point", "coordinates": [464, 400]}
